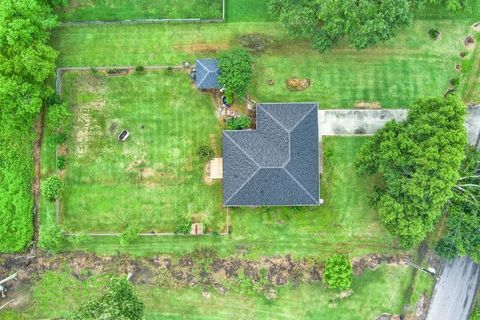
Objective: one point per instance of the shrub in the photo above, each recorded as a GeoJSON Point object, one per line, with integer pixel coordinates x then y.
{"type": "Point", "coordinates": [52, 188]}
{"type": "Point", "coordinates": [434, 33]}
{"type": "Point", "coordinates": [229, 97]}
{"type": "Point", "coordinates": [130, 234]}
{"type": "Point", "coordinates": [239, 123]}
{"type": "Point", "coordinates": [58, 117]}
{"type": "Point", "coordinates": [455, 82]}
{"type": "Point", "coordinates": [56, 139]}
{"type": "Point", "coordinates": [338, 272]}
{"type": "Point", "coordinates": [61, 162]}
{"type": "Point", "coordinates": [236, 71]}
{"type": "Point", "coordinates": [205, 152]}
{"type": "Point", "coordinates": [51, 236]}
{"type": "Point", "coordinates": [119, 302]}
{"type": "Point", "coordinates": [93, 71]}
{"type": "Point", "coordinates": [140, 69]}
{"type": "Point", "coordinates": [184, 225]}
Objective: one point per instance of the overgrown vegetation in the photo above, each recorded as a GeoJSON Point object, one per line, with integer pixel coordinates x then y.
{"type": "Point", "coordinates": [27, 61]}
{"type": "Point", "coordinates": [463, 213]}
{"type": "Point", "coordinates": [205, 152]}
{"type": "Point", "coordinates": [238, 123]}
{"type": "Point", "coordinates": [338, 272]}
{"type": "Point", "coordinates": [418, 160]}
{"type": "Point", "coordinates": [236, 71]}
{"type": "Point", "coordinates": [119, 302]}
{"type": "Point", "coordinates": [52, 188]}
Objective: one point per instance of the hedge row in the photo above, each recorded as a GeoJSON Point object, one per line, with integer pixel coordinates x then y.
{"type": "Point", "coordinates": [26, 62]}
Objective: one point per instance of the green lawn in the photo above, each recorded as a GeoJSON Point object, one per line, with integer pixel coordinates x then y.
{"type": "Point", "coordinates": [247, 11]}
{"type": "Point", "coordinates": [155, 177]}
{"type": "Point", "coordinates": [345, 223]}
{"type": "Point", "coordinates": [84, 10]}
{"type": "Point", "coordinates": [395, 73]}
{"type": "Point", "coordinates": [374, 293]}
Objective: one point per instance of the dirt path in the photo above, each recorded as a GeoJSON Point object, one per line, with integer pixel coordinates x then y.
{"type": "Point", "coordinates": [37, 158]}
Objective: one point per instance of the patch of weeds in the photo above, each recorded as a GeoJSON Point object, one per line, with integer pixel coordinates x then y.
{"type": "Point", "coordinates": [184, 225]}
{"type": "Point", "coordinates": [61, 162]}
{"type": "Point", "coordinates": [130, 234]}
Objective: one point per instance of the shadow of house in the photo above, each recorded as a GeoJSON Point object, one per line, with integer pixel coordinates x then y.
{"type": "Point", "coordinates": [278, 163]}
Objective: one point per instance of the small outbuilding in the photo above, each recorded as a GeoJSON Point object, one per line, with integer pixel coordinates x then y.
{"type": "Point", "coordinates": [206, 74]}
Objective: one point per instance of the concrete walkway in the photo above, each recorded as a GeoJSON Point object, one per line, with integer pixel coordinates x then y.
{"type": "Point", "coordinates": [366, 122]}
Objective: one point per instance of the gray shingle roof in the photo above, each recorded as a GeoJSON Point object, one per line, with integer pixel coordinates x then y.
{"type": "Point", "coordinates": [206, 74]}
{"type": "Point", "coordinates": [276, 164]}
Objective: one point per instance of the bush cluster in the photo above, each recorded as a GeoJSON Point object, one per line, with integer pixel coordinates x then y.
{"type": "Point", "coordinates": [236, 72]}
{"type": "Point", "coordinates": [205, 152]}
{"type": "Point", "coordinates": [27, 62]}
{"type": "Point", "coordinates": [239, 123]}
{"type": "Point", "coordinates": [338, 272]}
{"type": "Point", "coordinates": [53, 187]}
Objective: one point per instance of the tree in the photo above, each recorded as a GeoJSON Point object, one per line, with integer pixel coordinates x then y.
{"type": "Point", "coordinates": [239, 123]}
{"type": "Point", "coordinates": [205, 152]}
{"type": "Point", "coordinates": [462, 237]}
{"type": "Point", "coordinates": [338, 272]}
{"type": "Point", "coordinates": [26, 62]}
{"type": "Point", "coordinates": [236, 72]}
{"type": "Point", "coordinates": [364, 23]}
{"type": "Point", "coordinates": [53, 187]}
{"type": "Point", "coordinates": [118, 303]}
{"type": "Point", "coordinates": [419, 161]}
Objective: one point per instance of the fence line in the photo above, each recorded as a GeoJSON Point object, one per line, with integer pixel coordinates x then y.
{"type": "Point", "coordinates": [138, 21]}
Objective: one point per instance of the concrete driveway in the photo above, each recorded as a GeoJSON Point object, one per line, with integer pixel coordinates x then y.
{"type": "Point", "coordinates": [352, 121]}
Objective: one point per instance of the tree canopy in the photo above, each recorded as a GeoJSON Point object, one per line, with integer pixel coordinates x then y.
{"type": "Point", "coordinates": [364, 23]}
{"type": "Point", "coordinates": [462, 237]}
{"type": "Point", "coordinates": [119, 303]}
{"type": "Point", "coordinates": [419, 161]}
{"type": "Point", "coordinates": [26, 62]}
{"type": "Point", "coordinates": [338, 272]}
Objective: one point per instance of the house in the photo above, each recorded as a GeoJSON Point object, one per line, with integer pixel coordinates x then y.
{"type": "Point", "coordinates": [206, 74]}
{"type": "Point", "coordinates": [278, 163]}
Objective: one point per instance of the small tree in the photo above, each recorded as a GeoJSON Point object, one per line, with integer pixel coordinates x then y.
{"type": "Point", "coordinates": [119, 302]}
{"type": "Point", "coordinates": [338, 272]}
{"type": "Point", "coordinates": [236, 71]}
{"type": "Point", "coordinates": [53, 187]}
{"type": "Point", "coordinates": [51, 236]}
{"type": "Point", "coordinates": [239, 123]}
{"type": "Point", "coordinates": [205, 152]}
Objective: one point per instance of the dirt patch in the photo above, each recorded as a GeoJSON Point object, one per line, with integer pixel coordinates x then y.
{"type": "Point", "coordinates": [458, 67]}
{"type": "Point", "coordinates": [202, 48]}
{"type": "Point", "coordinates": [368, 105]}
{"type": "Point", "coordinates": [147, 173]}
{"type": "Point", "coordinates": [469, 42]}
{"type": "Point", "coordinates": [201, 267]}
{"type": "Point", "coordinates": [85, 125]}
{"type": "Point", "coordinates": [206, 175]}
{"type": "Point", "coordinates": [254, 42]}
{"type": "Point", "coordinates": [296, 84]}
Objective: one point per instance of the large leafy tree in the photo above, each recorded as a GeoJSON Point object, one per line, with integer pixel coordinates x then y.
{"type": "Point", "coordinates": [364, 22]}
{"type": "Point", "coordinates": [118, 303]}
{"type": "Point", "coordinates": [419, 161]}
{"type": "Point", "coordinates": [26, 62]}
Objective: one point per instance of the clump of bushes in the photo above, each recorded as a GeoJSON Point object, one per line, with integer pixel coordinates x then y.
{"type": "Point", "coordinates": [229, 97]}
{"type": "Point", "coordinates": [338, 272]}
{"type": "Point", "coordinates": [53, 187]}
{"type": "Point", "coordinates": [61, 162]}
{"type": "Point", "coordinates": [236, 71]}
{"type": "Point", "coordinates": [205, 152]}
{"type": "Point", "coordinates": [140, 69]}
{"type": "Point", "coordinates": [238, 123]}
{"type": "Point", "coordinates": [57, 138]}
{"type": "Point", "coordinates": [51, 236]}
{"type": "Point", "coordinates": [434, 33]}
{"type": "Point", "coordinates": [129, 235]}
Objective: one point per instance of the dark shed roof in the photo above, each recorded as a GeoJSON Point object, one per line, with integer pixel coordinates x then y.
{"type": "Point", "coordinates": [206, 74]}
{"type": "Point", "coordinates": [276, 164]}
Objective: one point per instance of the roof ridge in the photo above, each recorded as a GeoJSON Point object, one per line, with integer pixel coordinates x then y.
{"type": "Point", "coordinates": [241, 149]}
{"type": "Point", "coordinates": [274, 119]}
{"type": "Point", "coordinates": [242, 186]}
{"type": "Point", "coordinates": [300, 185]}
{"type": "Point", "coordinates": [314, 107]}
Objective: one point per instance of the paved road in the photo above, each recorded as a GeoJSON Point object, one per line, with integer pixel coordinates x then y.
{"type": "Point", "coordinates": [454, 293]}
{"type": "Point", "coordinates": [351, 121]}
